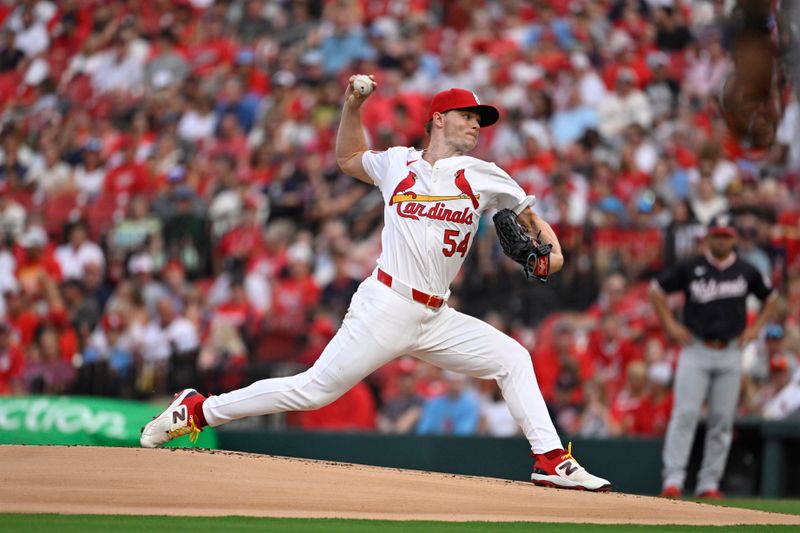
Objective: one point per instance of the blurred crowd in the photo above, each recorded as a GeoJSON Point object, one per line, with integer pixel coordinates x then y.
{"type": "Point", "coordinates": [172, 214]}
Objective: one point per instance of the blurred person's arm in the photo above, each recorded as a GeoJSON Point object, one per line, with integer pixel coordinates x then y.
{"type": "Point", "coordinates": [51, 292]}
{"type": "Point", "coordinates": [673, 327]}
{"type": "Point", "coordinates": [408, 420]}
{"type": "Point", "coordinates": [784, 403]}
{"type": "Point", "coordinates": [351, 142]}
{"type": "Point", "coordinates": [428, 423]}
{"type": "Point", "coordinates": [766, 313]}
{"type": "Point", "coordinates": [467, 423]}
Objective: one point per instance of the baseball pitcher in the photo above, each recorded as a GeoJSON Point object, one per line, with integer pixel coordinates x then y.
{"type": "Point", "coordinates": [433, 201]}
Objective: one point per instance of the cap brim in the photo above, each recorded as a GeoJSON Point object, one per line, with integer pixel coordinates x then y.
{"type": "Point", "coordinates": [489, 114]}
{"type": "Point", "coordinates": [731, 232]}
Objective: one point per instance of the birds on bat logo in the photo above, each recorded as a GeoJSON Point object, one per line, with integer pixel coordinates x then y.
{"type": "Point", "coordinates": [414, 203]}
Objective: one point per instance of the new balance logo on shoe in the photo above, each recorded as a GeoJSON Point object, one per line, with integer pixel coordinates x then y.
{"type": "Point", "coordinates": [567, 467]}
{"type": "Point", "coordinates": [175, 421]}
{"type": "Point", "coordinates": [563, 471]}
{"type": "Point", "coordinates": [179, 414]}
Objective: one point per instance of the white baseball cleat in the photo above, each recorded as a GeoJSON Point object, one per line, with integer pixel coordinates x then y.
{"type": "Point", "coordinates": [177, 420]}
{"type": "Point", "coordinates": [564, 472]}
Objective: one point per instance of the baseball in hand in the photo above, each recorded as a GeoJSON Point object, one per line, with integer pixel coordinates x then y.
{"type": "Point", "coordinates": [362, 84]}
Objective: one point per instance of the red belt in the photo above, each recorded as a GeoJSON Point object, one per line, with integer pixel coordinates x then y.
{"type": "Point", "coordinates": [717, 344]}
{"type": "Point", "coordinates": [418, 296]}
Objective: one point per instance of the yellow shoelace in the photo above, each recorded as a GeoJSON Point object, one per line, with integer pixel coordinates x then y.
{"type": "Point", "coordinates": [189, 428]}
{"type": "Point", "coordinates": [568, 455]}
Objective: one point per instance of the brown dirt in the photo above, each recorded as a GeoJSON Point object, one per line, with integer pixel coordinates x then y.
{"type": "Point", "coordinates": [86, 480]}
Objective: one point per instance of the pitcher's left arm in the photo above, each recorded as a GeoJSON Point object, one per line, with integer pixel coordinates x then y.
{"type": "Point", "coordinates": [540, 230]}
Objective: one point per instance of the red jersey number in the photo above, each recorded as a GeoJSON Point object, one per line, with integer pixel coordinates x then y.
{"type": "Point", "coordinates": [452, 245]}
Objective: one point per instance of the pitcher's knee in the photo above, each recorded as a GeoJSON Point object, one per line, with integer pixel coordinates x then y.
{"type": "Point", "coordinates": [514, 357]}
{"type": "Point", "coordinates": [309, 400]}
{"type": "Point", "coordinates": [311, 392]}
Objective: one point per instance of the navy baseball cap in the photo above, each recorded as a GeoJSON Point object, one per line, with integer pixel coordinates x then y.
{"type": "Point", "coordinates": [722, 224]}
{"type": "Point", "coordinates": [463, 99]}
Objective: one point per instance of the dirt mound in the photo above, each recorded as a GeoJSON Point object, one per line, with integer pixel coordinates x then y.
{"type": "Point", "coordinates": [86, 480]}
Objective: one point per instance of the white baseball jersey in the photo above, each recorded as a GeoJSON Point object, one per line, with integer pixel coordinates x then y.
{"type": "Point", "coordinates": [431, 216]}
{"type": "Point", "coordinates": [432, 211]}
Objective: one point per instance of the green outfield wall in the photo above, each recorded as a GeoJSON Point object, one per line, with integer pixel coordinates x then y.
{"type": "Point", "coordinates": [764, 459]}
{"type": "Point", "coordinates": [80, 420]}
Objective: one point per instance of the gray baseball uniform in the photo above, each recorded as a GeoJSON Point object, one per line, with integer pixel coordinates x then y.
{"type": "Point", "coordinates": [709, 368]}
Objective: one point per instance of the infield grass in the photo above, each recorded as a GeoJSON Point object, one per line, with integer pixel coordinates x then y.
{"type": "Point", "coordinates": [33, 523]}
{"type": "Point", "coordinates": [772, 506]}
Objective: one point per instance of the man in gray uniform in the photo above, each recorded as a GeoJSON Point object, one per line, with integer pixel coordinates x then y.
{"type": "Point", "coordinates": [713, 331]}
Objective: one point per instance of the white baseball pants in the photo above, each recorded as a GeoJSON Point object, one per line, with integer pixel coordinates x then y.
{"type": "Point", "coordinates": [381, 325]}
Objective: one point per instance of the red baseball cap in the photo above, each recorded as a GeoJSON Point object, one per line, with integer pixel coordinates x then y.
{"type": "Point", "coordinates": [463, 99]}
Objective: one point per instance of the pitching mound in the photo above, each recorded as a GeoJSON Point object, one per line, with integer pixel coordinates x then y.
{"type": "Point", "coordinates": [84, 480]}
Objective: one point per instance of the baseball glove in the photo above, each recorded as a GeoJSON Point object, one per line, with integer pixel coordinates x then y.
{"type": "Point", "coordinates": [519, 246]}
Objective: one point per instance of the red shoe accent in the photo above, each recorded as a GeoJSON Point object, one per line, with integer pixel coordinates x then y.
{"type": "Point", "coordinates": [714, 494]}
{"type": "Point", "coordinates": [545, 466]}
{"type": "Point", "coordinates": [546, 463]}
{"type": "Point", "coordinates": [555, 454]}
{"type": "Point", "coordinates": [194, 405]}
{"type": "Point", "coordinates": [672, 492]}
{"type": "Point", "coordinates": [559, 469]}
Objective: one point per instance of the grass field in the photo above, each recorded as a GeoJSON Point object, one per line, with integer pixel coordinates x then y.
{"type": "Point", "coordinates": [148, 524]}
{"type": "Point", "coordinates": [773, 506]}
{"type": "Point", "coordinates": [34, 523]}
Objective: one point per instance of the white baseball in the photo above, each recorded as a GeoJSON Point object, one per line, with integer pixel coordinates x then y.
{"type": "Point", "coordinates": [362, 84]}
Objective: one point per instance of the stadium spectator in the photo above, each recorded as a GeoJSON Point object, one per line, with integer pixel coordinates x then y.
{"type": "Point", "coordinates": [168, 66]}
{"type": "Point", "coordinates": [612, 352]}
{"type": "Point", "coordinates": [782, 396]}
{"type": "Point", "coordinates": [89, 175]}
{"type": "Point", "coordinates": [110, 352]}
{"type": "Point", "coordinates": [133, 231]}
{"type": "Point", "coordinates": [127, 178]}
{"type": "Point", "coordinates": [337, 293]}
{"type": "Point", "coordinates": [353, 411]}
{"type": "Point", "coordinates": [10, 53]}
{"type": "Point", "coordinates": [46, 369]}
{"type": "Point", "coordinates": [12, 363]}
{"type": "Point", "coordinates": [183, 132]}
{"type": "Point", "coordinates": [496, 420]}
{"type": "Point", "coordinates": [570, 123]}
{"type": "Point", "coordinates": [590, 85]}
{"type": "Point", "coordinates": [48, 172]}
{"type": "Point", "coordinates": [30, 33]}
{"type": "Point", "coordinates": [294, 297]}
{"type": "Point", "coordinates": [625, 106]}
{"type": "Point", "coordinates": [400, 412]}
{"type": "Point", "coordinates": [345, 41]}
{"type": "Point", "coordinates": [596, 416]}
{"type": "Point", "coordinates": [78, 252]}
{"type": "Point", "coordinates": [12, 214]}
{"type": "Point", "coordinates": [455, 412]}
{"type": "Point", "coordinates": [631, 408]}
